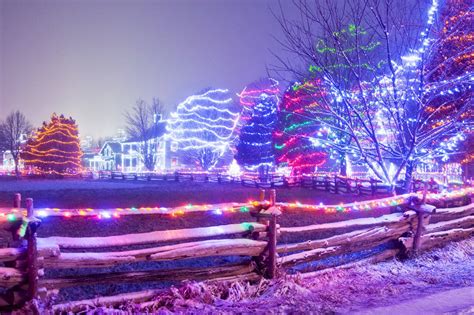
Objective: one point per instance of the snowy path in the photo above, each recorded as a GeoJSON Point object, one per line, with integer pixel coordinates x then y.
{"type": "Point", "coordinates": [452, 301]}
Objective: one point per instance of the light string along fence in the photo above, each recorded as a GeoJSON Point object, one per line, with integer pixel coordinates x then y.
{"type": "Point", "coordinates": [16, 213]}
{"type": "Point", "coordinates": [265, 247]}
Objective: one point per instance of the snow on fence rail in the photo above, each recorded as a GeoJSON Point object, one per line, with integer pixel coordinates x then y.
{"type": "Point", "coordinates": [267, 248]}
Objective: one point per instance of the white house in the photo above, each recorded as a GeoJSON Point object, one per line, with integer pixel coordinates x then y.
{"type": "Point", "coordinates": [126, 156]}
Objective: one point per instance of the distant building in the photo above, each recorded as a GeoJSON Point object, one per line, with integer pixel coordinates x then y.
{"type": "Point", "coordinates": [7, 160]}
{"type": "Point", "coordinates": [8, 163]}
{"type": "Point", "coordinates": [126, 155]}
{"type": "Point", "coordinates": [86, 143]}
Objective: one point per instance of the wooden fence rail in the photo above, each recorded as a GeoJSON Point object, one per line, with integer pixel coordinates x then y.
{"type": "Point", "coordinates": [264, 246]}
{"type": "Point", "coordinates": [328, 182]}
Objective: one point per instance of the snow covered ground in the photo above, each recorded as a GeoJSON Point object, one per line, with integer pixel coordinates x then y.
{"type": "Point", "coordinates": [437, 282]}
{"type": "Point", "coordinates": [74, 193]}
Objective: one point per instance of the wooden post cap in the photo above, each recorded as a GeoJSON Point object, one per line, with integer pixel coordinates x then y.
{"type": "Point", "coordinates": [271, 211]}
{"type": "Point", "coordinates": [29, 207]}
{"type": "Point", "coordinates": [17, 201]}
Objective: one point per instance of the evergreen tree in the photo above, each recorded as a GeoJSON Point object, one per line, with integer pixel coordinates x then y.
{"type": "Point", "coordinates": [55, 148]}
{"type": "Point", "coordinates": [298, 137]}
{"type": "Point", "coordinates": [449, 61]}
{"type": "Point", "coordinates": [255, 148]}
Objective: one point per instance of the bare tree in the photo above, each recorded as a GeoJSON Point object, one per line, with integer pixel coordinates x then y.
{"type": "Point", "coordinates": [142, 125]}
{"type": "Point", "coordinates": [12, 131]}
{"type": "Point", "coordinates": [372, 56]}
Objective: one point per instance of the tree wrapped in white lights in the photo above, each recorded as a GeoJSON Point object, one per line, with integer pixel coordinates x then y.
{"type": "Point", "coordinates": [381, 92]}
{"type": "Point", "coordinates": [203, 127]}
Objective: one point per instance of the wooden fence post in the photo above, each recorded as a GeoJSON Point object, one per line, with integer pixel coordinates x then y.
{"type": "Point", "coordinates": [272, 237]}
{"type": "Point", "coordinates": [17, 201]}
{"type": "Point", "coordinates": [422, 210]}
{"type": "Point", "coordinates": [327, 184]}
{"type": "Point", "coordinates": [270, 216]}
{"type": "Point", "coordinates": [372, 186]}
{"type": "Point", "coordinates": [419, 226]}
{"type": "Point", "coordinates": [272, 197]}
{"type": "Point", "coordinates": [266, 213]}
{"type": "Point", "coordinates": [272, 244]}
{"type": "Point", "coordinates": [32, 252]}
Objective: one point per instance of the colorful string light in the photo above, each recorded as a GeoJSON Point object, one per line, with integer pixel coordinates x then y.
{"type": "Point", "coordinates": [12, 214]}
{"type": "Point", "coordinates": [259, 115]}
{"type": "Point", "coordinates": [295, 136]}
{"type": "Point", "coordinates": [55, 148]}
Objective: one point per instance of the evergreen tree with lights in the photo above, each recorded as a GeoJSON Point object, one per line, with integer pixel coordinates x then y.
{"type": "Point", "coordinates": [298, 137]}
{"type": "Point", "coordinates": [449, 60]}
{"type": "Point", "coordinates": [54, 148]}
{"type": "Point", "coordinates": [203, 126]}
{"type": "Point", "coordinates": [255, 150]}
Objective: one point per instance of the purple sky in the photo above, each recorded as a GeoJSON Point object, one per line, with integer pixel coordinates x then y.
{"type": "Point", "coordinates": [91, 59]}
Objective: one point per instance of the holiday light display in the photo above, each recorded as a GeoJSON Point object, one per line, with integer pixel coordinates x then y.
{"type": "Point", "coordinates": [203, 126]}
{"type": "Point", "coordinates": [297, 134]}
{"type": "Point", "coordinates": [250, 95]}
{"type": "Point", "coordinates": [13, 214]}
{"type": "Point", "coordinates": [255, 148]}
{"type": "Point", "coordinates": [341, 113]}
{"type": "Point", "coordinates": [449, 61]}
{"type": "Point", "coordinates": [234, 170]}
{"type": "Point", "coordinates": [378, 99]}
{"type": "Point", "coordinates": [55, 148]}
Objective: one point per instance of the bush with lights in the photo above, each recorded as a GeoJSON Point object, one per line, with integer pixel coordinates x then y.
{"type": "Point", "coordinates": [54, 148]}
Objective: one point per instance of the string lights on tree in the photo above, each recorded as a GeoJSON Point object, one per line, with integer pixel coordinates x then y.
{"type": "Point", "coordinates": [55, 148]}
{"type": "Point", "coordinates": [255, 148]}
{"type": "Point", "coordinates": [380, 90]}
{"type": "Point", "coordinates": [298, 137]}
{"type": "Point", "coordinates": [204, 126]}
{"type": "Point", "coordinates": [450, 60]}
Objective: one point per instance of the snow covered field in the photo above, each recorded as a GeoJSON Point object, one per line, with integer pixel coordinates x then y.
{"type": "Point", "coordinates": [393, 285]}
{"type": "Point", "coordinates": [108, 194]}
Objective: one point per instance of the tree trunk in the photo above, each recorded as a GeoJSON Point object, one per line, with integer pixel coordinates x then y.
{"type": "Point", "coordinates": [263, 173]}
{"type": "Point", "coordinates": [343, 167]}
{"type": "Point", "coordinates": [409, 175]}
{"type": "Point", "coordinates": [17, 171]}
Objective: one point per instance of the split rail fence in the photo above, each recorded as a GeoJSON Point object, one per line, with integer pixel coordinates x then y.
{"type": "Point", "coordinates": [327, 182]}
{"type": "Point", "coordinates": [263, 247]}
